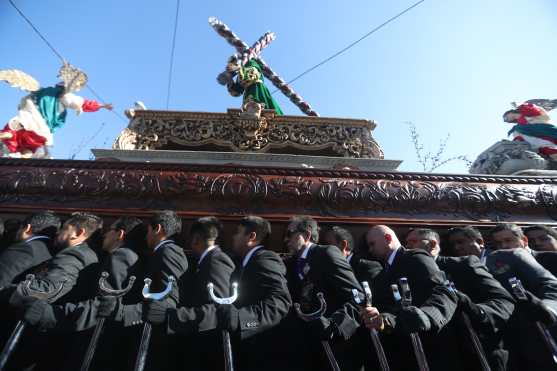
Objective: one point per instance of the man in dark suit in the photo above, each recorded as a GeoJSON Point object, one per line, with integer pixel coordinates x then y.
{"type": "Point", "coordinates": [75, 269]}
{"type": "Point", "coordinates": [164, 258]}
{"type": "Point", "coordinates": [542, 238]}
{"type": "Point", "coordinates": [318, 268]}
{"type": "Point", "coordinates": [263, 300]}
{"type": "Point", "coordinates": [511, 236]}
{"type": "Point", "coordinates": [465, 241]}
{"type": "Point", "coordinates": [125, 236]}
{"type": "Point", "coordinates": [195, 322]}
{"type": "Point", "coordinates": [513, 259]}
{"type": "Point", "coordinates": [364, 270]}
{"type": "Point", "coordinates": [120, 243]}
{"type": "Point", "coordinates": [432, 307]}
{"type": "Point", "coordinates": [487, 304]}
{"type": "Point", "coordinates": [33, 247]}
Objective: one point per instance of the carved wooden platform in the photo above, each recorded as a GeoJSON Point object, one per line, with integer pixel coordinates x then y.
{"type": "Point", "coordinates": [238, 131]}
{"type": "Point", "coordinates": [118, 188]}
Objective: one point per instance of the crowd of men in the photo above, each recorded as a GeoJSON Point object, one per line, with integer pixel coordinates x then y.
{"type": "Point", "coordinates": [464, 306]}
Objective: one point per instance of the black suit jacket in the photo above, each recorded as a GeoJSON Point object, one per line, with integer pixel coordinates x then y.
{"type": "Point", "coordinates": [364, 269]}
{"type": "Point", "coordinates": [472, 278]}
{"type": "Point", "coordinates": [526, 349]}
{"type": "Point", "coordinates": [431, 295]}
{"type": "Point", "coordinates": [196, 312]}
{"type": "Point", "coordinates": [327, 271]}
{"type": "Point", "coordinates": [263, 303]}
{"type": "Point", "coordinates": [195, 321]}
{"type": "Point", "coordinates": [21, 258]}
{"type": "Point", "coordinates": [548, 260]}
{"type": "Point", "coordinates": [168, 260]}
{"type": "Point", "coordinates": [519, 263]}
{"type": "Point", "coordinates": [75, 268]}
{"type": "Point", "coordinates": [79, 316]}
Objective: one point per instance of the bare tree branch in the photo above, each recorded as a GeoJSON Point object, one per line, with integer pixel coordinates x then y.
{"type": "Point", "coordinates": [428, 161]}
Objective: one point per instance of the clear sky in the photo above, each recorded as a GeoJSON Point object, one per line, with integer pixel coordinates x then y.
{"type": "Point", "coordinates": [447, 66]}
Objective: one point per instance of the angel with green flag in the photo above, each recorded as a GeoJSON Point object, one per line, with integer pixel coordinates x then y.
{"type": "Point", "coordinates": [43, 110]}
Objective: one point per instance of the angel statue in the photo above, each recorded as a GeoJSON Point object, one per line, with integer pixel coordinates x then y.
{"type": "Point", "coordinates": [533, 126]}
{"type": "Point", "coordinates": [44, 110]}
{"type": "Point", "coordinates": [249, 82]}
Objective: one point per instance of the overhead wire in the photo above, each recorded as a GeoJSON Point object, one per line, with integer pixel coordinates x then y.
{"type": "Point", "coordinates": [352, 44]}
{"type": "Point", "coordinates": [173, 47]}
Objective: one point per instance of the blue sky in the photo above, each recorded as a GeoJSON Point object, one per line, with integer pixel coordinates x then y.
{"type": "Point", "coordinates": [447, 66]}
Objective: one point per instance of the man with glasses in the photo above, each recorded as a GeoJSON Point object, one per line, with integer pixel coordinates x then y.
{"type": "Point", "coordinates": [317, 268]}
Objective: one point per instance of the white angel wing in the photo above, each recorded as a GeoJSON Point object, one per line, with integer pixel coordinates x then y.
{"type": "Point", "coordinates": [19, 79]}
{"type": "Point", "coordinates": [74, 79]}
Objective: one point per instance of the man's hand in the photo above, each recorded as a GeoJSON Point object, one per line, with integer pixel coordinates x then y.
{"type": "Point", "coordinates": [322, 328]}
{"type": "Point", "coordinates": [34, 312]}
{"type": "Point", "coordinates": [228, 317]}
{"type": "Point", "coordinates": [473, 310]}
{"type": "Point", "coordinates": [19, 300]}
{"type": "Point", "coordinates": [412, 319]}
{"type": "Point", "coordinates": [372, 318]}
{"type": "Point", "coordinates": [155, 311]}
{"type": "Point", "coordinates": [536, 309]}
{"type": "Point", "coordinates": [107, 306]}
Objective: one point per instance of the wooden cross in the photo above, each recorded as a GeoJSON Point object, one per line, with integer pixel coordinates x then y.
{"type": "Point", "coordinates": [247, 53]}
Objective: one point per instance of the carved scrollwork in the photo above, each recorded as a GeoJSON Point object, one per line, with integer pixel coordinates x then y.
{"type": "Point", "coordinates": [250, 130]}
{"type": "Point", "coordinates": [228, 190]}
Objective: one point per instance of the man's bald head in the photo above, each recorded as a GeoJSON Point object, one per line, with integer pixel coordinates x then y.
{"type": "Point", "coordinates": [381, 241]}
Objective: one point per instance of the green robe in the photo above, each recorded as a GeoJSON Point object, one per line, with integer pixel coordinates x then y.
{"type": "Point", "coordinates": [251, 78]}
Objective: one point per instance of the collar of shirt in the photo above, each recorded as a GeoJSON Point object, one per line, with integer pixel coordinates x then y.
{"type": "Point", "coordinates": [249, 254]}
{"type": "Point", "coordinates": [160, 244]}
{"type": "Point", "coordinates": [483, 255]}
{"type": "Point", "coordinates": [37, 238]}
{"type": "Point", "coordinates": [304, 253]}
{"type": "Point", "coordinates": [528, 249]}
{"type": "Point", "coordinates": [349, 257]}
{"type": "Point", "coordinates": [206, 252]}
{"type": "Point", "coordinates": [392, 257]}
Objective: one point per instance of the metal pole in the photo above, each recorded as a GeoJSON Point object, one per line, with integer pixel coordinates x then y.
{"type": "Point", "coordinates": [105, 291]}
{"type": "Point", "coordinates": [226, 343]}
{"type": "Point", "coordinates": [314, 316]}
{"type": "Point", "coordinates": [25, 289]}
{"type": "Point", "coordinates": [147, 327]}
{"type": "Point", "coordinates": [406, 300]}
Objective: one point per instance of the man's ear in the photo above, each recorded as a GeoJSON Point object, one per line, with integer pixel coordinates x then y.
{"type": "Point", "coordinates": [480, 241]}
{"type": "Point", "coordinates": [28, 229]}
{"type": "Point", "coordinates": [158, 229]}
{"type": "Point", "coordinates": [121, 234]}
{"type": "Point", "coordinates": [252, 236]}
{"type": "Point", "coordinates": [307, 235]}
{"type": "Point", "coordinates": [80, 233]}
{"type": "Point", "coordinates": [388, 237]}
{"type": "Point", "coordinates": [344, 245]}
{"type": "Point", "coordinates": [433, 245]}
{"type": "Point", "coordinates": [525, 240]}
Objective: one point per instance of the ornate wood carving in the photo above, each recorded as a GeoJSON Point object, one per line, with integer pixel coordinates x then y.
{"type": "Point", "coordinates": [259, 133]}
{"type": "Point", "coordinates": [351, 196]}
